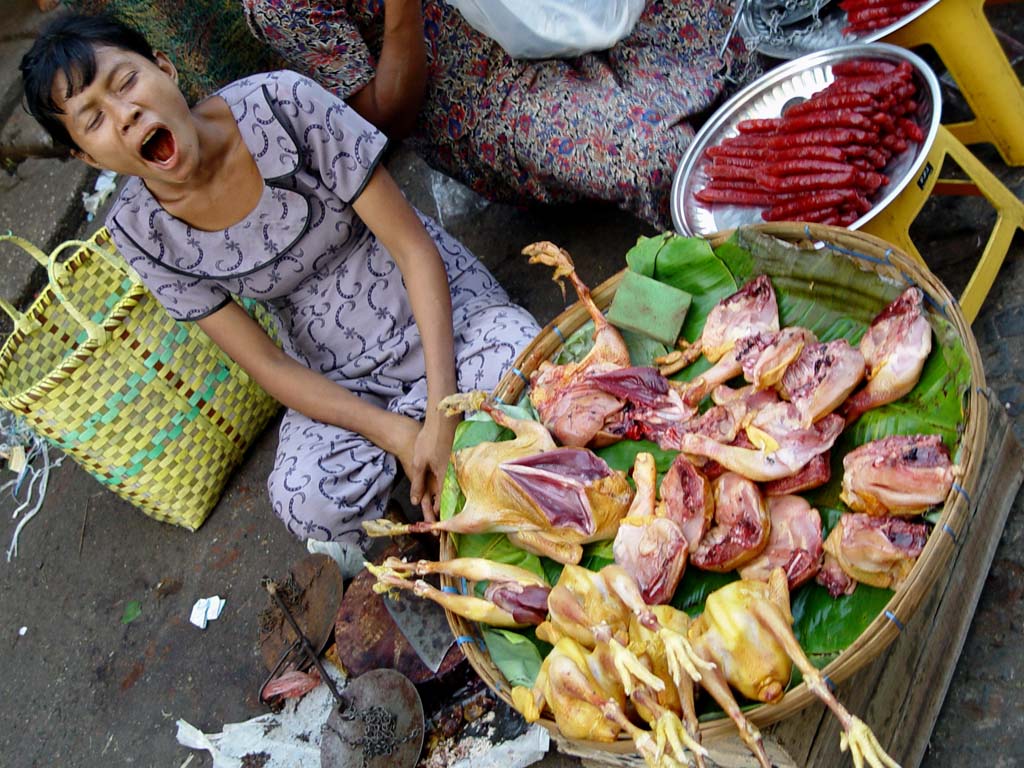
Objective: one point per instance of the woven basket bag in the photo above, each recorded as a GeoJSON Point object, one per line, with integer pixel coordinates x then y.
{"type": "Point", "coordinates": [869, 253]}
{"type": "Point", "coordinates": [149, 406]}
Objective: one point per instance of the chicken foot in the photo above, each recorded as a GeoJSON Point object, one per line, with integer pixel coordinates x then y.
{"type": "Point", "coordinates": [857, 736]}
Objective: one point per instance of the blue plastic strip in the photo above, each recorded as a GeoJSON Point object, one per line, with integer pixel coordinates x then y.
{"type": "Point", "coordinates": [463, 639]}
{"type": "Point", "coordinates": [962, 491]}
{"type": "Point", "coordinates": [949, 532]}
{"type": "Point", "coordinates": [829, 683]}
{"type": "Point", "coordinates": [558, 333]}
{"type": "Point", "coordinates": [449, 590]}
{"type": "Point", "coordinates": [521, 375]}
{"type": "Point", "coordinates": [892, 617]}
{"type": "Point", "coordinates": [464, 586]}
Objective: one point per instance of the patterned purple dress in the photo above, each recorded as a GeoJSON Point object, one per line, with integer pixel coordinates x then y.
{"type": "Point", "coordinates": [611, 125]}
{"type": "Point", "coordinates": [337, 294]}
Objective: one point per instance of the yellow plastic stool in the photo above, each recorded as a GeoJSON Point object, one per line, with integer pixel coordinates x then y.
{"type": "Point", "coordinates": [893, 222]}
{"type": "Point", "coordinates": [964, 40]}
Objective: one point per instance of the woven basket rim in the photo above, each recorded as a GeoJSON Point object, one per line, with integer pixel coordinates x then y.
{"type": "Point", "coordinates": [879, 256]}
{"type": "Point", "coordinates": [81, 353]}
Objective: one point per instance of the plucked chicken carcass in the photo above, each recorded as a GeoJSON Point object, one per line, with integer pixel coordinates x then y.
{"type": "Point", "coordinates": [795, 543]}
{"type": "Point", "coordinates": [900, 475]}
{"type": "Point", "coordinates": [782, 444]}
{"type": "Point", "coordinates": [567, 402]}
{"type": "Point", "coordinates": [581, 689]}
{"type": "Point", "coordinates": [652, 403]}
{"type": "Point", "coordinates": [650, 547]}
{"type": "Point", "coordinates": [547, 500]}
{"type": "Point", "coordinates": [822, 377]}
{"type": "Point", "coordinates": [656, 536]}
{"type": "Point", "coordinates": [746, 632]}
{"type": "Point", "coordinates": [514, 597]}
{"type": "Point", "coordinates": [761, 357]}
{"type": "Point", "coordinates": [879, 551]}
{"type": "Point", "coordinates": [742, 526]}
{"type": "Point", "coordinates": [895, 348]}
{"type": "Point", "coordinates": [752, 309]}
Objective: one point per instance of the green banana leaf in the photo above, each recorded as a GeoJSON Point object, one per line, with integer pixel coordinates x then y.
{"type": "Point", "coordinates": [826, 292]}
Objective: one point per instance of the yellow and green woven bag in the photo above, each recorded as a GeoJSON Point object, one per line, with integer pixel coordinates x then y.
{"type": "Point", "coordinates": [151, 407]}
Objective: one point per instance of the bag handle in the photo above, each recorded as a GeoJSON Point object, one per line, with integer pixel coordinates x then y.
{"type": "Point", "coordinates": [55, 270]}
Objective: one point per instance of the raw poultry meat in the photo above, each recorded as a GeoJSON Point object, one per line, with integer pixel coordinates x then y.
{"type": "Point", "coordinates": [742, 526]}
{"type": "Point", "coordinates": [587, 701]}
{"type": "Point", "coordinates": [783, 445]}
{"type": "Point", "coordinates": [815, 474]}
{"type": "Point", "coordinates": [547, 500]}
{"type": "Point", "coordinates": [650, 547]}
{"type": "Point", "coordinates": [746, 632]}
{"type": "Point", "coordinates": [566, 401]}
{"type": "Point", "coordinates": [879, 551]}
{"type": "Point", "coordinates": [688, 498]}
{"type": "Point", "coordinates": [895, 348]}
{"type": "Point", "coordinates": [898, 475]}
{"type": "Point", "coordinates": [822, 377]}
{"type": "Point", "coordinates": [795, 543]}
{"type": "Point", "coordinates": [652, 403]}
{"type": "Point", "coordinates": [584, 599]}
{"type": "Point", "coordinates": [750, 310]}
{"type": "Point", "coordinates": [514, 597]}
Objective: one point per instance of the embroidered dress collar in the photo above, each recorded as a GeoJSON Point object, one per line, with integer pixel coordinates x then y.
{"type": "Point", "coordinates": [279, 220]}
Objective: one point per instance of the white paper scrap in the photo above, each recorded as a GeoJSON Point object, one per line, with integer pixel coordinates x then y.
{"type": "Point", "coordinates": [206, 609]}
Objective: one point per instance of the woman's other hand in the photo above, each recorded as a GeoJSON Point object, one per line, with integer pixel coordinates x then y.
{"type": "Point", "coordinates": [431, 452]}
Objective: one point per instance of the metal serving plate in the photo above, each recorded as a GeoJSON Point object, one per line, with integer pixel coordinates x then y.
{"type": "Point", "coordinates": [796, 31]}
{"type": "Point", "coordinates": [767, 97]}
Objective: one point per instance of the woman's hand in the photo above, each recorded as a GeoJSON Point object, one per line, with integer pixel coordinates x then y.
{"type": "Point", "coordinates": [431, 452]}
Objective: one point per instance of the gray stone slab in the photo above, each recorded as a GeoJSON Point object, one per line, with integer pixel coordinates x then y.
{"type": "Point", "coordinates": [41, 202]}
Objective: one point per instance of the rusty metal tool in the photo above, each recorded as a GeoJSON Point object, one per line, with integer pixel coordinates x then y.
{"type": "Point", "coordinates": [377, 723]}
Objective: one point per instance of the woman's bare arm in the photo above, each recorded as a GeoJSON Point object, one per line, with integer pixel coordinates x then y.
{"type": "Point", "coordinates": [304, 390]}
{"type": "Point", "coordinates": [394, 222]}
{"type": "Point", "coordinates": [392, 99]}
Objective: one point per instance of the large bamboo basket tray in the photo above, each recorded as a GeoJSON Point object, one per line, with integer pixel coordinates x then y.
{"type": "Point", "coordinates": [870, 253]}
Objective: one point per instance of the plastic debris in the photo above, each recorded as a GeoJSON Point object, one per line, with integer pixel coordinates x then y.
{"type": "Point", "coordinates": [287, 739]}
{"type": "Point", "coordinates": [206, 609]}
{"type": "Point", "coordinates": [132, 611]}
{"type": "Point", "coordinates": [23, 449]}
{"type": "Point", "coordinates": [526, 749]}
{"type": "Point", "coordinates": [23, 631]}
{"type": "Point", "coordinates": [105, 185]}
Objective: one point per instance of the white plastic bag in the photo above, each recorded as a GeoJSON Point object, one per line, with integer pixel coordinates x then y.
{"type": "Point", "coordinates": [550, 29]}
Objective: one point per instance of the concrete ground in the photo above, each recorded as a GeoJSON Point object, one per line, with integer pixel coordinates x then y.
{"type": "Point", "coordinates": [81, 688]}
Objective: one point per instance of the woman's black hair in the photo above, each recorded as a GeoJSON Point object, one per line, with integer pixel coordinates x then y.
{"type": "Point", "coordinates": [68, 45]}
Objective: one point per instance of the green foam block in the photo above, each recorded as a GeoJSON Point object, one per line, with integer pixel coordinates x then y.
{"type": "Point", "coordinates": [646, 306]}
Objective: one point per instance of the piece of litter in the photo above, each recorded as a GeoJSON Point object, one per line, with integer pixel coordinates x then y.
{"type": "Point", "coordinates": [206, 610]}
{"type": "Point", "coordinates": [16, 458]}
{"type": "Point", "coordinates": [132, 611]}
{"type": "Point", "coordinates": [105, 185]}
{"type": "Point", "coordinates": [22, 632]}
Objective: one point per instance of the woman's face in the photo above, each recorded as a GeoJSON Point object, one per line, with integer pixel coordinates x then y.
{"type": "Point", "coordinates": [132, 119]}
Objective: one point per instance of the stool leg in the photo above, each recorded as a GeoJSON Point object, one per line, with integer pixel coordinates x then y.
{"type": "Point", "coordinates": [963, 38]}
{"type": "Point", "coordinates": [1009, 218]}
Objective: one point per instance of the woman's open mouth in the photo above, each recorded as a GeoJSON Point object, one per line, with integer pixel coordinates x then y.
{"type": "Point", "coordinates": [158, 146]}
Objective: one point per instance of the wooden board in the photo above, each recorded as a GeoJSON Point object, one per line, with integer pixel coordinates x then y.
{"type": "Point", "coordinates": [901, 692]}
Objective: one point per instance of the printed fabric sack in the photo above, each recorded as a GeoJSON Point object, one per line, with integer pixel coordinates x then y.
{"type": "Point", "coordinates": [151, 407]}
{"type": "Point", "coordinates": [552, 29]}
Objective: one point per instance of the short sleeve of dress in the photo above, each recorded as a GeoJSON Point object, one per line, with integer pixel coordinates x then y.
{"type": "Point", "coordinates": [334, 141]}
{"type": "Point", "coordinates": [185, 297]}
{"type": "Point", "coordinates": [316, 38]}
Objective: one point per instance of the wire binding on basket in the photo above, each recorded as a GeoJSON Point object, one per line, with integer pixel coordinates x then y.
{"type": "Point", "coordinates": [520, 374]}
{"type": "Point", "coordinates": [892, 617]}
{"type": "Point", "coordinates": [949, 532]}
{"type": "Point", "coordinates": [449, 589]}
{"type": "Point", "coordinates": [558, 333]}
{"type": "Point", "coordinates": [962, 491]}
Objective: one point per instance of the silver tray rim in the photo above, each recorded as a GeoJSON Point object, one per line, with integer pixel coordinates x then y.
{"type": "Point", "coordinates": [723, 123]}
{"type": "Point", "coordinates": [747, 29]}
